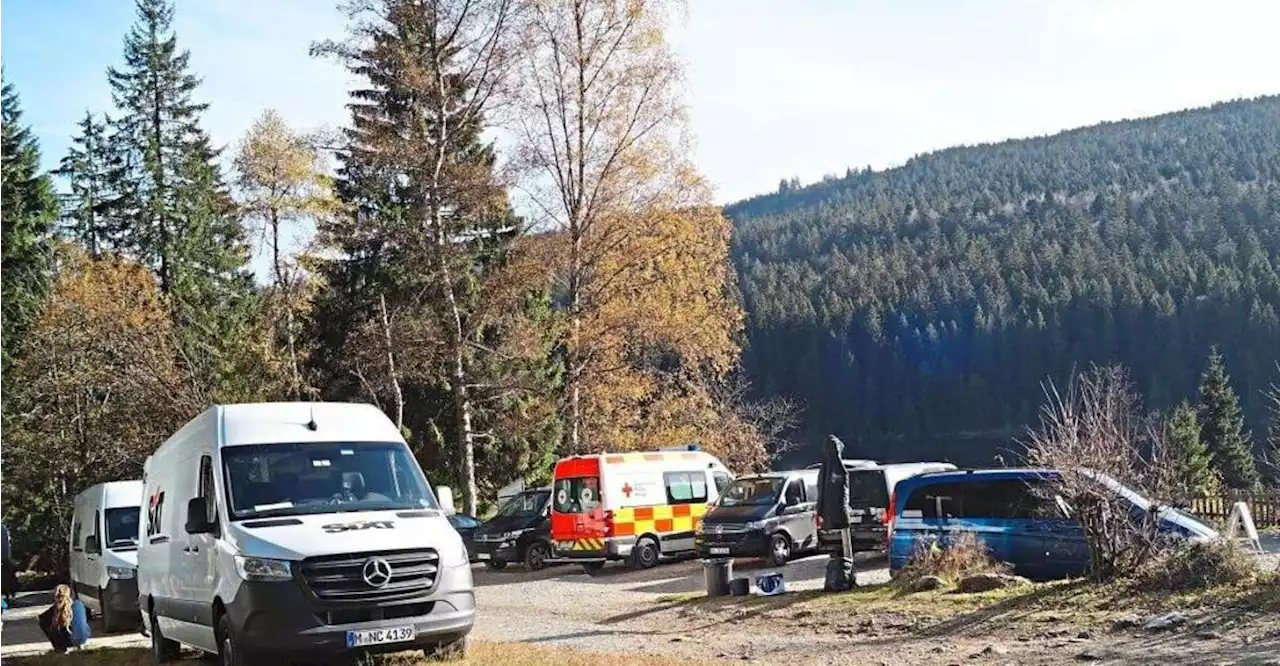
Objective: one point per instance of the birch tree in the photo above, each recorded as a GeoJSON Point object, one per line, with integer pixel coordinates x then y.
{"type": "Point", "coordinates": [433, 70]}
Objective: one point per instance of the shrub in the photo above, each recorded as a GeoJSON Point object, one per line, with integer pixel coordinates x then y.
{"type": "Point", "coordinates": [962, 557]}
{"type": "Point", "coordinates": [1198, 565]}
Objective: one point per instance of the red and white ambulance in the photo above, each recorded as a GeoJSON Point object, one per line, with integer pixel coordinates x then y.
{"type": "Point", "coordinates": [637, 507]}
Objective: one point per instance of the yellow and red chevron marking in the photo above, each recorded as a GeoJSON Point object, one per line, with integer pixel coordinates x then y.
{"type": "Point", "coordinates": [662, 519]}
{"type": "Point", "coordinates": [583, 544]}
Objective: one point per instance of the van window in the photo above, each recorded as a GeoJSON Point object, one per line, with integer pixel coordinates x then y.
{"type": "Point", "coordinates": [577, 494]}
{"type": "Point", "coordinates": [758, 491]}
{"type": "Point", "coordinates": [795, 492]}
{"type": "Point", "coordinates": [77, 544]}
{"type": "Point", "coordinates": [722, 482]}
{"type": "Point", "coordinates": [122, 528]}
{"type": "Point", "coordinates": [206, 489]}
{"type": "Point", "coordinates": [867, 489]}
{"type": "Point", "coordinates": [941, 500]}
{"type": "Point", "coordinates": [685, 487]}
{"type": "Point", "coordinates": [811, 488]}
{"type": "Point", "coordinates": [324, 477]}
{"type": "Point", "coordinates": [1010, 498]}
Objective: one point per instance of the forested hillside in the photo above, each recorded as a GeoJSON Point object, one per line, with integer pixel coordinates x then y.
{"type": "Point", "coordinates": [916, 311]}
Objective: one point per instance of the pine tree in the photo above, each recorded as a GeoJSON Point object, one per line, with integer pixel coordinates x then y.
{"type": "Point", "coordinates": [27, 209]}
{"type": "Point", "coordinates": [178, 215]}
{"type": "Point", "coordinates": [1195, 465]}
{"type": "Point", "coordinates": [93, 169]}
{"type": "Point", "coordinates": [1222, 426]}
{"type": "Point", "coordinates": [1271, 451]}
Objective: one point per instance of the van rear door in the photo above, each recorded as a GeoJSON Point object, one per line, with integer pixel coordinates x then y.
{"type": "Point", "coordinates": [577, 517]}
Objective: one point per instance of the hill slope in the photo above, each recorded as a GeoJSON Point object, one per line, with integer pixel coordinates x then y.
{"type": "Point", "coordinates": [918, 310]}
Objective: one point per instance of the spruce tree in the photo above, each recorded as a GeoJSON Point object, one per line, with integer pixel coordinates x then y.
{"type": "Point", "coordinates": [178, 215]}
{"type": "Point", "coordinates": [1222, 426]}
{"type": "Point", "coordinates": [27, 210]}
{"type": "Point", "coordinates": [1190, 455]}
{"type": "Point", "coordinates": [93, 169]}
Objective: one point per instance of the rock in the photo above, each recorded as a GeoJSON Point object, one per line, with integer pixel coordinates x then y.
{"type": "Point", "coordinates": [1165, 622]}
{"type": "Point", "coordinates": [1093, 654]}
{"type": "Point", "coordinates": [801, 614]}
{"type": "Point", "coordinates": [1208, 635]}
{"type": "Point", "coordinates": [987, 582]}
{"type": "Point", "coordinates": [928, 584]}
{"type": "Point", "coordinates": [991, 650]}
{"type": "Point", "coordinates": [1128, 622]}
{"type": "Point", "coordinates": [1085, 635]}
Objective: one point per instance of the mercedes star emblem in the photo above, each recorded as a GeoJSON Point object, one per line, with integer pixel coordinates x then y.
{"type": "Point", "coordinates": [376, 572]}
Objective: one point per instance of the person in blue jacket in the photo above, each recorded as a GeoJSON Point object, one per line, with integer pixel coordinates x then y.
{"type": "Point", "coordinates": [66, 622]}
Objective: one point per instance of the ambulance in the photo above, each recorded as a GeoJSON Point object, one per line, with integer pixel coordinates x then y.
{"type": "Point", "coordinates": [633, 507]}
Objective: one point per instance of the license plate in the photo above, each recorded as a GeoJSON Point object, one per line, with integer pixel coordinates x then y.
{"type": "Point", "coordinates": [856, 519]}
{"type": "Point", "coordinates": [380, 636]}
{"type": "Point", "coordinates": [719, 551]}
{"type": "Point", "coordinates": [482, 556]}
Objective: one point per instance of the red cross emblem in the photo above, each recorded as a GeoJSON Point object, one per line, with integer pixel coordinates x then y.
{"type": "Point", "coordinates": [626, 489]}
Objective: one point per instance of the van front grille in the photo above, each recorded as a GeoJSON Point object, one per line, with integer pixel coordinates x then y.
{"type": "Point", "coordinates": [341, 578]}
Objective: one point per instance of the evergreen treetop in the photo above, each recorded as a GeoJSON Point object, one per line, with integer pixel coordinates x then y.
{"type": "Point", "coordinates": [1222, 426]}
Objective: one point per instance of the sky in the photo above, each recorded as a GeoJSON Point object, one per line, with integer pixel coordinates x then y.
{"type": "Point", "coordinates": [776, 88]}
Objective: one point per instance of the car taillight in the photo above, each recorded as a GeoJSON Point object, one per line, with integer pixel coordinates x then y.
{"type": "Point", "coordinates": [817, 521]}
{"type": "Point", "coordinates": [608, 523]}
{"type": "Point", "coordinates": [888, 517]}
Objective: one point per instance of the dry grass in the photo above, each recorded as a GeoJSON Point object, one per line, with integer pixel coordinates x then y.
{"type": "Point", "coordinates": [964, 556]}
{"type": "Point", "coordinates": [483, 654]}
{"type": "Point", "coordinates": [1199, 565]}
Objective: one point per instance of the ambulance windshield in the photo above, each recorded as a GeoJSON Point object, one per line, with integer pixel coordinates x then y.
{"type": "Point", "coordinates": [577, 495]}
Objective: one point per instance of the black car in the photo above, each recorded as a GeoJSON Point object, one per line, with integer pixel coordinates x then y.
{"type": "Point", "coordinates": [519, 532]}
{"type": "Point", "coordinates": [466, 526]}
{"type": "Point", "coordinates": [763, 515]}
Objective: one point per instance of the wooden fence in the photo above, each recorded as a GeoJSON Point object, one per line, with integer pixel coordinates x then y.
{"type": "Point", "coordinates": [1263, 504]}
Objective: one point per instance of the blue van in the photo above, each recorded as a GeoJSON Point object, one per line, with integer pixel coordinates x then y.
{"type": "Point", "coordinates": [1013, 513]}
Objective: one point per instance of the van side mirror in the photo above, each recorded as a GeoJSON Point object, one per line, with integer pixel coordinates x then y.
{"type": "Point", "coordinates": [445, 495]}
{"type": "Point", "coordinates": [91, 545]}
{"type": "Point", "coordinates": [198, 517]}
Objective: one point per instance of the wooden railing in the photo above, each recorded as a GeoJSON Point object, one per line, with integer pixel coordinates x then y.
{"type": "Point", "coordinates": [1263, 504]}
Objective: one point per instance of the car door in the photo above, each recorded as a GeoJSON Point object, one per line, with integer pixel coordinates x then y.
{"type": "Point", "coordinates": [791, 512]}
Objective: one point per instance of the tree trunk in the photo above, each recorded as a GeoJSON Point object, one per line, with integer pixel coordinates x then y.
{"type": "Point", "coordinates": [391, 363]}
{"type": "Point", "coordinates": [283, 292]}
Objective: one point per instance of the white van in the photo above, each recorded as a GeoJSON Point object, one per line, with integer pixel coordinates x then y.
{"type": "Point", "coordinates": [284, 530]}
{"type": "Point", "coordinates": [104, 551]}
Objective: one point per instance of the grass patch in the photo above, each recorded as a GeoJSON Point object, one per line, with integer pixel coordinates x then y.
{"type": "Point", "coordinates": [482, 654]}
{"type": "Point", "coordinates": [946, 565]}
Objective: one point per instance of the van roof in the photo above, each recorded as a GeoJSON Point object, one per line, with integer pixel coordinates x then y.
{"type": "Point", "coordinates": [780, 474]}
{"type": "Point", "coordinates": [292, 422]}
{"type": "Point", "coordinates": [117, 494]}
{"type": "Point", "coordinates": [996, 474]}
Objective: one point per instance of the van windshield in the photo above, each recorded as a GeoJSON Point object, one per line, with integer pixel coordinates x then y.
{"type": "Point", "coordinates": [122, 528]}
{"type": "Point", "coordinates": [328, 477]}
{"type": "Point", "coordinates": [752, 492]}
{"type": "Point", "coordinates": [524, 505]}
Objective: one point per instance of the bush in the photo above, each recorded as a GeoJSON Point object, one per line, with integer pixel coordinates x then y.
{"type": "Point", "coordinates": [1198, 565]}
{"type": "Point", "coordinates": [964, 556]}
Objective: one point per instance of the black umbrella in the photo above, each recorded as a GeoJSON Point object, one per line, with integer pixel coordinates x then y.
{"type": "Point", "coordinates": [833, 509]}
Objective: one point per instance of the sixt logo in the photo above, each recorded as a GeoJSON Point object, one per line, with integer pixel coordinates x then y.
{"type": "Point", "coordinates": [334, 528]}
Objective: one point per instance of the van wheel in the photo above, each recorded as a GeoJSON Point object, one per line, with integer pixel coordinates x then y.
{"type": "Point", "coordinates": [108, 617]}
{"type": "Point", "coordinates": [230, 651]}
{"type": "Point", "coordinates": [535, 556]}
{"type": "Point", "coordinates": [454, 650]}
{"type": "Point", "coordinates": [496, 565]}
{"type": "Point", "coordinates": [779, 549]}
{"type": "Point", "coordinates": [163, 650]}
{"type": "Point", "coordinates": [645, 554]}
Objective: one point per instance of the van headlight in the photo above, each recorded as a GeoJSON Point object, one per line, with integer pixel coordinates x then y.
{"type": "Point", "coordinates": [261, 568]}
{"type": "Point", "coordinates": [121, 573]}
{"type": "Point", "coordinates": [755, 525]}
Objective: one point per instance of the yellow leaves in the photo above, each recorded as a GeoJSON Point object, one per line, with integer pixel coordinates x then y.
{"type": "Point", "coordinates": [281, 173]}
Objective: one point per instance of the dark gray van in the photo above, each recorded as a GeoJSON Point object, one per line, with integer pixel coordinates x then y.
{"type": "Point", "coordinates": [762, 515]}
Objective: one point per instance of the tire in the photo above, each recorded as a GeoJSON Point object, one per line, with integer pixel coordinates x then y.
{"type": "Point", "coordinates": [112, 620]}
{"type": "Point", "coordinates": [163, 650]}
{"type": "Point", "coordinates": [779, 549]}
{"type": "Point", "coordinates": [645, 554]}
{"type": "Point", "coordinates": [535, 556]}
{"type": "Point", "coordinates": [495, 565]}
{"type": "Point", "coordinates": [455, 650]}
{"type": "Point", "coordinates": [592, 568]}
{"type": "Point", "coordinates": [230, 651]}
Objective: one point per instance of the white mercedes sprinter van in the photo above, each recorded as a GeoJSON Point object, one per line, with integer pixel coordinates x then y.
{"type": "Point", "coordinates": [274, 531]}
{"type": "Point", "coordinates": [104, 551]}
